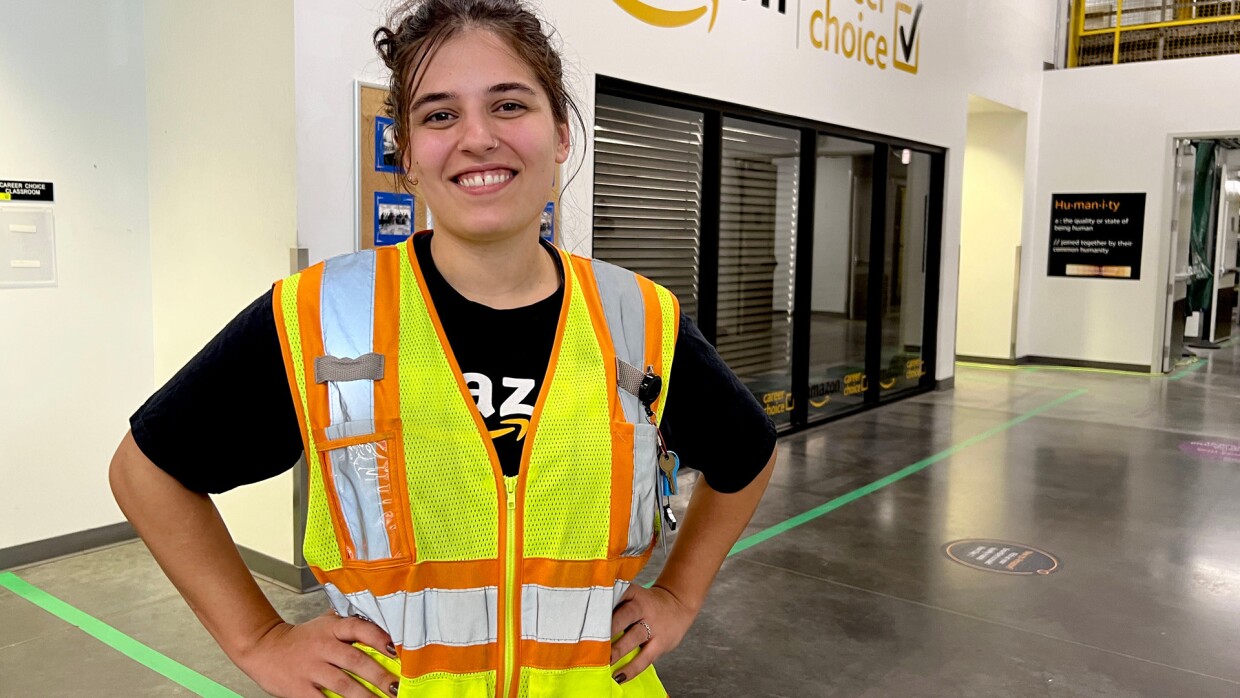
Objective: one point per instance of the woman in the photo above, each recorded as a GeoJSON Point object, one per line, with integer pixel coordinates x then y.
{"type": "Point", "coordinates": [481, 415]}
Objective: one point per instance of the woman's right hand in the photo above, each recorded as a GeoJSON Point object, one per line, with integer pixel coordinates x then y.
{"type": "Point", "coordinates": [297, 661]}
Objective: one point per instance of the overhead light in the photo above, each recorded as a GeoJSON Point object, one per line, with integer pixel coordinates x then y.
{"type": "Point", "coordinates": [906, 156]}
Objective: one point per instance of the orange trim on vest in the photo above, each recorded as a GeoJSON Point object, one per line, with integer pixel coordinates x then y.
{"type": "Point", "coordinates": [413, 578]}
{"type": "Point", "coordinates": [386, 341]}
{"type": "Point", "coordinates": [309, 295]}
{"type": "Point", "coordinates": [580, 573]}
{"type": "Point", "coordinates": [387, 329]}
{"type": "Point", "coordinates": [621, 449]}
{"type": "Point", "coordinates": [455, 660]}
{"type": "Point", "coordinates": [654, 340]}
{"type": "Point", "coordinates": [286, 351]}
{"type": "Point", "coordinates": [554, 655]}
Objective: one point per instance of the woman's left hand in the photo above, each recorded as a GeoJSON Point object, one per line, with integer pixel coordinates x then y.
{"type": "Point", "coordinates": [653, 619]}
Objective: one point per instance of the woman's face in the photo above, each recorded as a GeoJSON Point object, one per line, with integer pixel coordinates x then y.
{"type": "Point", "coordinates": [483, 145]}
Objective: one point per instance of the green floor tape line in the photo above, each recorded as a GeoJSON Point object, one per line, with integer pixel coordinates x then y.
{"type": "Point", "coordinates": [777, 529]}
{"type": "Point", "coordinates": [990, 367]}
{"type": "Point", "coordinates": [1082, 369]}
{"type": "Point", "coordinates": [140, 653]}
{"type": "Point", "coordinates": [1195, 367]}
{"type": "Point", "coordinates": [1034, 368]}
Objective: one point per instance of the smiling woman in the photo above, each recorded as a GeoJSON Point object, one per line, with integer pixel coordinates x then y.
{"type": "Point", "coordinates": [466, 549]}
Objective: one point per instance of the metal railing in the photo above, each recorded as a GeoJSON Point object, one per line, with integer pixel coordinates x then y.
{"type": "Point", "coordinates": [1106, 32]}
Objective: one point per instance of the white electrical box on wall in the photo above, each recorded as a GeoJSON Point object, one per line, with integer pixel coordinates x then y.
{"type": "Point", "coordinates": [27, 247]}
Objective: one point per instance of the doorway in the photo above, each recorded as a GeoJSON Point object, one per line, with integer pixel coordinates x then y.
{"type": "Point", "coordinates": [1204, 248]}
{"type": "Point", "coordinates": [992, 218]}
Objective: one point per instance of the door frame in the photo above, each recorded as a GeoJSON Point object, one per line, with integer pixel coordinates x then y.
{"type": "Point", "coordinates": [714, 112]}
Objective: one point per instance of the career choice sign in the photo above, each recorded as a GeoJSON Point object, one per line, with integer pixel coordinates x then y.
{"type": "Point", "coordinates": [1096, 235]}
{"type": "Point", "coordinates": [11, 190]}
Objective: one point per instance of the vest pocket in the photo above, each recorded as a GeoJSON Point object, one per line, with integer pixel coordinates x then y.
{"type": "Point", "coordinates": [643, 505]}
{"type": "Point", "coordinates": [595, 682]}
{"type": "Point", "coordinates": [364, 477]}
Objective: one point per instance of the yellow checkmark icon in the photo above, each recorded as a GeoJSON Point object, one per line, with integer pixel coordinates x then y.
{"type": "Point", "coordinates": [908, 54]}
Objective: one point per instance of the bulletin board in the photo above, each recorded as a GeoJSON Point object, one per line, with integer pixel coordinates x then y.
{"type": "Point", "coordinates": [386, 213]}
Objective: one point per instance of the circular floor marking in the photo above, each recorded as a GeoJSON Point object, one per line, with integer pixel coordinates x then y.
{"type": "Point", "coordinates": [1002, 557]}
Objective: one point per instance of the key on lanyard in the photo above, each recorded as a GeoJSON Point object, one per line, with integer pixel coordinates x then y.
{"type": "Point", "coordinates": [669, 463]}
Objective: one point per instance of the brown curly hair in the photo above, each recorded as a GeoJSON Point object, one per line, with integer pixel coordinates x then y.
{"type": "Point", "coordinates": [415, 28]}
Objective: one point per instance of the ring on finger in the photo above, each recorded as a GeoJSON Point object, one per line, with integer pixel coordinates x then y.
{"type": "Point", "coordinates": [649, 632]}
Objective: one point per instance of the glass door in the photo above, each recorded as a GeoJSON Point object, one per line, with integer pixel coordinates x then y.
{"type": "Point", "coordinates": [759, 184]}
{"type": "Point", "coordinates": [905, 250]}
{"type": "Point", "coordinates": [843, 189]}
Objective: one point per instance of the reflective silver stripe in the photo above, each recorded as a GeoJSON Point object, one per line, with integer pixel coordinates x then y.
{"type": "Point", "coordinates": [626, 318]}
{"type": "Point", "coordinates": [645, 478]}
{"type": "Point", "coordinates": [621, 587]}
{"type": "Point", "coordinates": [452, 617]}
{"type": "Point", "coordinates": [567, 615]}
{"type": "Point", "coordinates": [347, 302]}
{"type": "Point", "coordinates": [347, 305]}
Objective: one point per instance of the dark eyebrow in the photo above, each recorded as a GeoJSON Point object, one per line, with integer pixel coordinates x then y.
{"type": "Point", "coordinates": [444, 96]}
{"type": "Point", "coordinates": [430, 97]}
{"type": "Point", "coordinates": [511, 87]}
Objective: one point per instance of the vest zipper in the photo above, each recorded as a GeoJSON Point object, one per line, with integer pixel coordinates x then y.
{"type": "Point", "coordinates": [510, 484]}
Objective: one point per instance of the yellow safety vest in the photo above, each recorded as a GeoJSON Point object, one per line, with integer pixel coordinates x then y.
{"type": "Point", "coordinates": [489, 586]}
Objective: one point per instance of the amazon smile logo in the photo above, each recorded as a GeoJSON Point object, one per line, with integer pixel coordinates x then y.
{"type": "Point", "coordinates": [671, 19]}
{"type": "Point", "coordinates": [660, 17]}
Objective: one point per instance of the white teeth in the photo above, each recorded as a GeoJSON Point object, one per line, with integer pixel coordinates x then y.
{"type": "Point", "coordinates": [483, 180]}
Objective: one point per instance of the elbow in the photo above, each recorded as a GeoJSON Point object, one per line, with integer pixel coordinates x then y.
{"type": "Point", "coordinates": [119, 470]}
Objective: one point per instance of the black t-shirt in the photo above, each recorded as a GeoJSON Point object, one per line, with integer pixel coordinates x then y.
{"type": "Point", "coordinates": [236, 387]}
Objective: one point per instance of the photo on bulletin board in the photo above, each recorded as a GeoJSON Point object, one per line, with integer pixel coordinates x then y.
{"type": "Point", "coordinates": [379, 176]}
{"type": "Point", "coordinates": [386, 158]}
{"type": "Point", "coordinates": [393, 218]}
{"type": "Point", "coordinates": [547, 228]}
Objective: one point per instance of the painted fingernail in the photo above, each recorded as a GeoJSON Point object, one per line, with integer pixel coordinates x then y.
{"type": "Point", "coordinates": [391, 649]}
{"type": "Point", "coordinates": [620, 678]}
{"type": "Point", "coordinates": [394, 688]}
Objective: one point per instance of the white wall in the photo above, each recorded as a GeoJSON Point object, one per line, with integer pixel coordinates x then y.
{"type": "Point", "coordinates": [1109, 129]}
{"type": "Point", "coordinates": [223, 200]}
{"type": "Point", "coordinates": [992, 223]}
{"type": "Point", "coordinates": [754, 56]}
{"type": "Point", "coordinates": [332, 50]}
{"type": "Point", "coordinates": [75, 360]}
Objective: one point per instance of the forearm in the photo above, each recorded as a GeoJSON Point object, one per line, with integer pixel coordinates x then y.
{"type": "Point", "coordinates": [713, 523]}
{"type": "Point", "coordinates": [187, 537]}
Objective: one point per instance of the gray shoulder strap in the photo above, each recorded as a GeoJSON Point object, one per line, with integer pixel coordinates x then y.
{"type": "Point", "coordinates": [626, 320]}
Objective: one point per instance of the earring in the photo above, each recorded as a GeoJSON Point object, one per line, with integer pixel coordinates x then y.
{"type": "Point", "coordinates": [413, 181]}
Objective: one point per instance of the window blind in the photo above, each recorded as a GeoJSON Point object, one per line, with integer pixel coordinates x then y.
{"type": "Point", "coordinates": [648, 192]}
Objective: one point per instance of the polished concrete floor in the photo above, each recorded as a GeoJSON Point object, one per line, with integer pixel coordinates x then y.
{"type": "Point", "coordinates": [1099, 470]}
